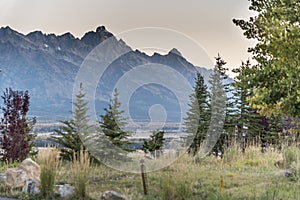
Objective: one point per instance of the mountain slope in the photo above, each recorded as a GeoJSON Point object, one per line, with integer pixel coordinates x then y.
{"type": "Point", "coordinates": [47, 64]}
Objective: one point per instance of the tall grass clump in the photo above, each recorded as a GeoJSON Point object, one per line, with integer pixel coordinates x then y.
{"type": "Point", "coordinates": [81, 169]}
{"type": "Point", "coordinates": [291, 158]}
{"type": "Point", "coordinates": [291, 154]}
{"type": "Point", "coordinates": [49, 161]}
{"type": "Point", "coordinates": [175, 187]}
{"type": "Point", "coordinates": [232, 154]}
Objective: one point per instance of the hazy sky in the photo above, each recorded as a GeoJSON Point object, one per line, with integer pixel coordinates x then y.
{"type": "Point", "coordinates": [208, 22]}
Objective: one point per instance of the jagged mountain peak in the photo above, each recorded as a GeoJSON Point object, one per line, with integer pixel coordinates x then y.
{"type": "Point", "coordinates": [101, 29]}
{"type": "Point", "coordinates": [35, 35]}
{"type": "Point", "coordinates": [175, 51]}
{"type": "Point", "coordinates": [40, 34]}
{"type": "Point", "coordinates": [6, 28]}
{"type": "Point", "coordinates": [67, 35]}
{"type": "Point", "coordinates": [97, 36]}
{"type": "Point", "coordinates": [7, 33]}
{"type": "Point", "coordinates": [47, 65]}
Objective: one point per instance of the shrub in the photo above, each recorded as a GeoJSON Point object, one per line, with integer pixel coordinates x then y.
{"type": "Point", "coordinates": [16, 139]}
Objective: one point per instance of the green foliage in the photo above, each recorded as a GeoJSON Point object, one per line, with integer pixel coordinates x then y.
{"type": "Point", "coordinates": [272, 131]}
{"type": "Point", "coordinates": [246, 116]}
{"type": "Point", "coordinates": [216, 133]}
{"type": "Point", "coordinates": [249, 176]}
{"type": "Point", "coordinates": [275, 80]}
{"type": "Point", "coordinates": [197, 120]}
{"type": "Point", "coordinates": [112, 124]}
{"type": "Point", "coordinates": [75, 133]}
{"type": "Point", "coordinates": [231, 109]}
{"type": "Point", "coordinates": [231, 154]}
{"type": "Point", "coordinates": [291, 155]}
{"type": "Point", "coordinates": [5, 165]}
{"type": "Point", "coordinates": [155, 144]}
{"type": "Point", "coordinates": [175, 190]}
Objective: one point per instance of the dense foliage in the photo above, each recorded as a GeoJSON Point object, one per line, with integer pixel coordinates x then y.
{"type": "Point", "coordinates": [198, 116]}
{"type": "Point", "coordinates": [155, 144]}
{"type": "Point", "coordinates": [275, 80]}
{"type": "Point", "coordinates": [112, 124]}
{"type": "Point", "coordinates": [16, 140]}
{"type": "Point", "coordinates": [218, 107]}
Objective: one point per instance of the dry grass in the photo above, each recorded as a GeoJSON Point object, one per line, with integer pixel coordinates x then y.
{"type": "Point", "coordinates": [252, 175]}
{"type": "Point", "coordinates": [48, 159]}
{"type": "Point", "coordinates": [81, 170]}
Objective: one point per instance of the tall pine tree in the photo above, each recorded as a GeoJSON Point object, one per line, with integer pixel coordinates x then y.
{"type": "Point", "coordinates": [271, 133]}
{"type": "Point", "coordinates": [216, 133]}
{"type": "Point", "coordinates": [112, 124]}
{"type": "Point", "coordinates": [260, 129]}
{"type": "Point", "coordinates": [75, 133]}
{"type": "Point", "coordinates": [198, 116]}
{"type": "Point", "coordinates": [246, 116]}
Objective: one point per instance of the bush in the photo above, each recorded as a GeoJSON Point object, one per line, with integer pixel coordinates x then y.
{"type": "Point", "coordinates": [16, 139]}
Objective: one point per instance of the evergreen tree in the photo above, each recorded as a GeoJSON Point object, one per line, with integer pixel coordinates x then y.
{"type": "Point", "coordinates": [272, 132]}
{"type": "Point", "coordinates": [197, 120]}
{"type": "Point", "coordinates": [155, 144]}
{"type": "Point", "coordinates": [216, 133]}
{"type": "Point", "coordinates": [246, 116]}
{"type": "Point", "coordinates": [266, 130]}
{"type": "Point", "coordinates": [112, 124]}
{"type": "Point", "coordinates": [230, 117]}
{"type": "Point", "coordinates": [75, 133]}
{"type": "Point", "coordinates": [16, 139]}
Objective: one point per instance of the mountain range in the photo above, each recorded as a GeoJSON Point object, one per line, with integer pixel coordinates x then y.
{"type": "Point", "coordinates": [47, 64]}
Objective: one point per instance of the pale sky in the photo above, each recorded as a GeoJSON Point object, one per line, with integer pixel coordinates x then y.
{"type": "Point", "coordinates": [207, 22]}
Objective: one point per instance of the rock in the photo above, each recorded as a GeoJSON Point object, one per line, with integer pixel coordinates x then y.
{"type": "Point", "coordinates": [112, 195]}
{"type": "Point", "coordinates": [31, 186]}
{"type": "Point", "coordinates": [16, 177]}
{"type": "Point", "coordinates": [32, 169]}
{"type": "Point", "coordinates": [285, 173]}
{"type": "Point", "coordinates": [65, 190]}
{"type": "Point", "coordinates": [3, 177]}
